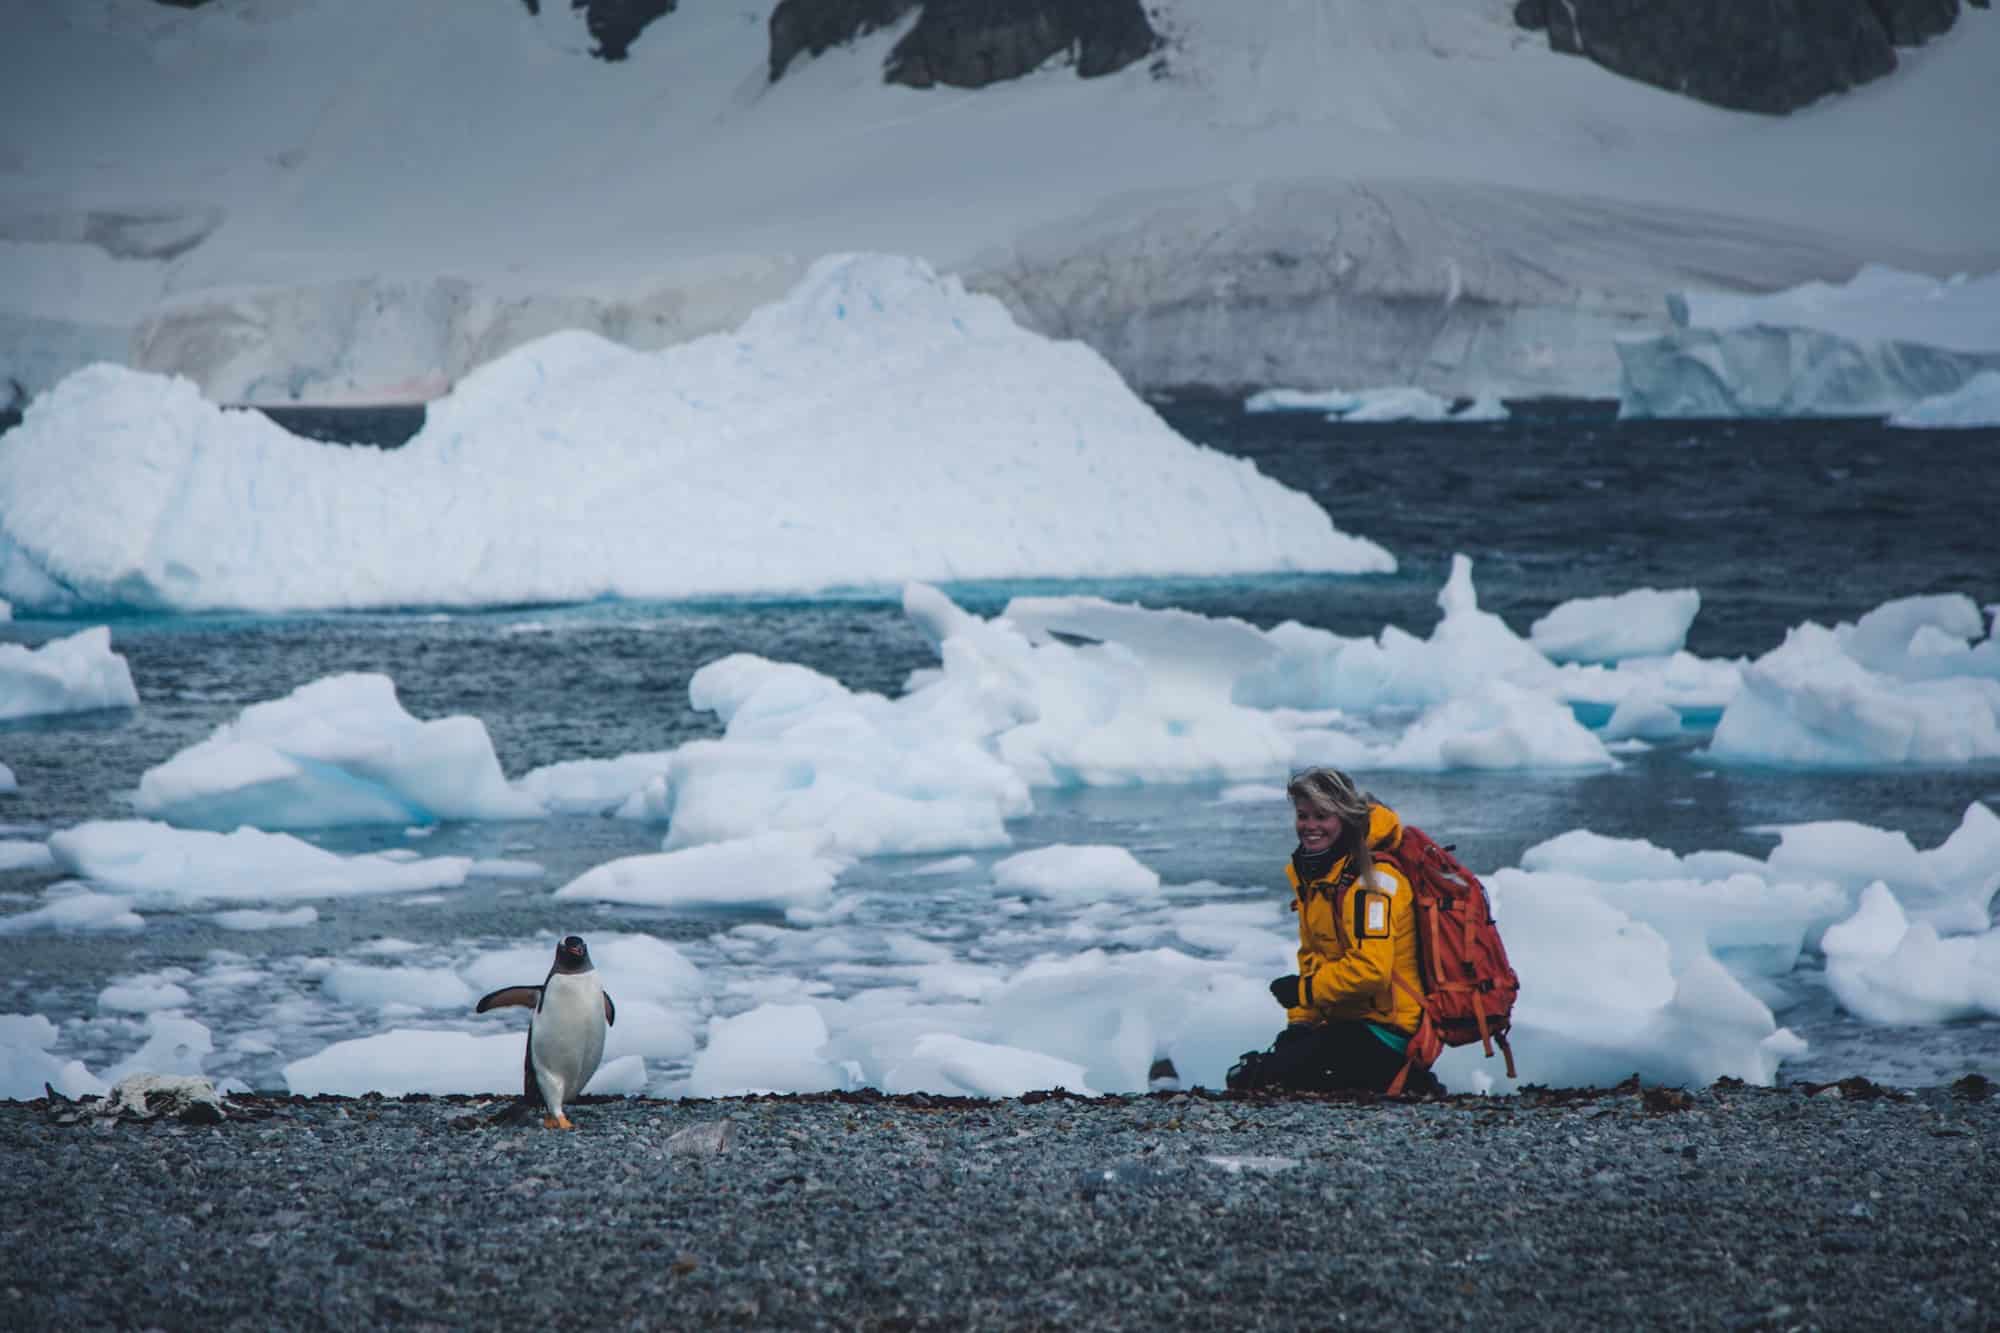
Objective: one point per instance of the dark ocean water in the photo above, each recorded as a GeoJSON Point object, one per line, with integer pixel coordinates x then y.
{"type": "Point", "coordinates": [1774, 522]}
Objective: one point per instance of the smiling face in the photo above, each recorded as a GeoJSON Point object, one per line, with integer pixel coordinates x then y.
{"type": "Point", "coordinates": [1318, 830]}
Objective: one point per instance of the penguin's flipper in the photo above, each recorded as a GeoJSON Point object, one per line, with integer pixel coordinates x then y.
{"type": "Point", "coordinates": [528, 997]}
{"type": "Point", "coordinates": [610, 1012]}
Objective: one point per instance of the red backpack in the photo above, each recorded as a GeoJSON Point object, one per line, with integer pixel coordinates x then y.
{"type": "Point", "coordinates": [1469, 987]}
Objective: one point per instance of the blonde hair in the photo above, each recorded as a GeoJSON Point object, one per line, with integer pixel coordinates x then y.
{"type": "Point", "coordinates": [1332, 792]}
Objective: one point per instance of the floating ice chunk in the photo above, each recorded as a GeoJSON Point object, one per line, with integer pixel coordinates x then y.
{"type": "Point", "coordinates": [984, 1069]}
{"type": "Point", "coordinates": [257, 918]}
{"type": "Point", "coordinates": [1641, 716]}
{"type": "Point", "coordinates": [1114, 1013]}
{"type": "Point", "coordinates": [180, 868]}
{"type": "Point", "coordinates": [69, 675]}
{"type": "Point", "coordinates": [25, 1064]}
{"type": "Point", "coordinates": [141, 996]}
{"type": "Point", "coordinates": [70, 908]}
{"type": "Point", "coordinates": [8, 782]}
{"type": "Point", "coordinates": [1883, 968]}
{"type": "Point", "coordinates": [1396, 670]}
{"type": "Point", "coordinates": [1076, 874]}
{"type": "Point", "coordinates": [1330, 401]}
{"type": "Point", "coordinates": [1815, 701]}
{"type": "Point", "coordinates": [1645, 622]}
{"type": "Point", "coordinates": [633, 968]}
{"type": "Point", "coordinates": [1697, 689]}
{"type": "Point", "coordinates": [1150, 703]}
{"type": "Point", "coordinates": [365, 987]}
{"type": "Point", "coordinates": [1603, 996]}
{"type": "Point", "coordinates": [1501, 727]}
{"type": "Point", "coordinates": [1875, 929]}
{"type": "Point", "coordinates": [175, 1044]}
{"type": "Point", "coordinates": [16, 855]}
{"type": "Point", "coordinates": [1972, 404]}
{"type": "Point", "coordinates": [340, 750]}
{"type": "Point", "coordinates": [592, 786]}
{"type": "Point", "coordinates": [772, 1048]}
{"type": "Point", "coordinates": [801, 752]}
{"type": "Point", "coordinates": [406, 1060]}
{"type": "Point", "coordinates": [1951, 886]}
{"type": "Point", "coordinates": [780, 870]}
{"type": "Point", "coordinates": [1396, 403]}
{"type": "Point", "coordinates": [1616, 860]}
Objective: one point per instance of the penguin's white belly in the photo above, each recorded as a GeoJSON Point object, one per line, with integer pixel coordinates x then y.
{"type": "Point", "coordinates": [566, 1040]}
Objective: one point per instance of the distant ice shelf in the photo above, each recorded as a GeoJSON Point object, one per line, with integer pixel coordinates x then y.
{"type": "Point", "coordinates": [1886, 343]}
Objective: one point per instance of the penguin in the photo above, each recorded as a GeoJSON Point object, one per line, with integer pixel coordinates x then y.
{"type": "Point", "coordinates": [566, 1035]}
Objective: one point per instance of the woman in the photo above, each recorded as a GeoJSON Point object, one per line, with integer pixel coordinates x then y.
{"type": "Point", "coordinates": [1349, 1019]}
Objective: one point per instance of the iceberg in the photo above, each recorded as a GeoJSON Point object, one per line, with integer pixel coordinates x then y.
{"type": "Point", "coordinates": [1973, 404]}
{"type": "Point", "coordinates": [339, 750]}
{"type": "Point", "coordinates": [1877, 345]}
{"type": "Point", "coordinates": [1644, 622]}
{"type": "Point", "coordinates": [878, 424]}
{"type": "Point", "coordinates": [74, 674]}
{"type": "Point", "coordinates": [1915, 681]}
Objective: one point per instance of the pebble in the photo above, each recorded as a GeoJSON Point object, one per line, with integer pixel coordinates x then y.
{"type": "Point", "coordinates": [1743, 1207]}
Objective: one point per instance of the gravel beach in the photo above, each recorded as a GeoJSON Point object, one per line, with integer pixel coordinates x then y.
{"type": "Point", "coordinates": [1816, 1206]}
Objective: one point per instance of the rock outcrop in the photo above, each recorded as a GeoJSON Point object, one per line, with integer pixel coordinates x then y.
{"type": "Point", "coordinates": [1771, 58]}
{"type": "Point", "coordinates": [970, 43]}
{"type": "Point", "coordinates": [614, 24]}
{"type": "Point", "coordinates": [813, 26]}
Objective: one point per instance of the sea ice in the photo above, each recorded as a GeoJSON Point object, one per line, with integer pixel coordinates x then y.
{"type": "Point", "coordinates": [176, 869]}
{"type": "Point", "coordinates": [74, 674]}
{"type": "Point", "coordinates": [1644, 622]}
{"type": "Point", "coordinates": [1915, 681]}
{"type": "Point", "coordinates": [339, 750]}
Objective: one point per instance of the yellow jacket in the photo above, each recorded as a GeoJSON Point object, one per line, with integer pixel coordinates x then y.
{"type": "Point", "coordinates": [1348, 949]}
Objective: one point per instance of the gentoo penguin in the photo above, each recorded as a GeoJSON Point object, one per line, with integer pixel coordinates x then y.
{"type": "Point", "coordinates": [566, 1035]}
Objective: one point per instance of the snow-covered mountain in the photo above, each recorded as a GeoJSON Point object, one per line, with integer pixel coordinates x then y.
{"type": "Point", "coordinates": [323, 200]}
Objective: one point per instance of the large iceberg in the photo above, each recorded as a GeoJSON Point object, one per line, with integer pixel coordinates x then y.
{"type": "Point", "coordinates": [1877, 345]}
{"type": "Point", "coordinates": [878, 424]}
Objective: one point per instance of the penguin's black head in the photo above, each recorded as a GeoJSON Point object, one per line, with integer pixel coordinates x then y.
{"type": "Point", "coordinates": [572, 955]}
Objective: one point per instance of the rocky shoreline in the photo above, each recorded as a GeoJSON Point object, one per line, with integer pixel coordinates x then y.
{"type": "Point", "coordinates": [1815, 1206]}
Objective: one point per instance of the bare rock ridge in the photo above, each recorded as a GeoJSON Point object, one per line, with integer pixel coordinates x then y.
{"type": "Point", "coordinates": [1771, 58]}
{"type": "Point", "coordinates": [814, 26]}
{"type": "Point", "coordinates": [614, 24]}
{"type": "Point", "coordinates": [969, 43]}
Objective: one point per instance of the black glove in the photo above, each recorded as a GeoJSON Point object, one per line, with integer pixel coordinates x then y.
{"type": "Point", "coordinates": [1286, 991]}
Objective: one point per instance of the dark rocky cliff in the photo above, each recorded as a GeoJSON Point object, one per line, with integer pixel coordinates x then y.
{"type": "Point", "coordinates": [1771, 57]}
{"type": "Point", "coordinates": [970, 43]}
{"type": "Point", "coordinates": [614, 24]}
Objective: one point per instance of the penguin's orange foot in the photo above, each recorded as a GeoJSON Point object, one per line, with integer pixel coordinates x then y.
{"type": "Point", "coordinates": [557, 1122]}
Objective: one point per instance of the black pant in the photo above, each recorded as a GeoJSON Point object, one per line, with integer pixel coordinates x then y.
{"type": "Point", "coordinates": [1328, 1057]}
